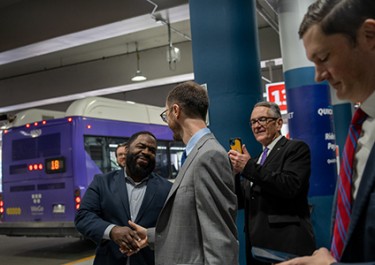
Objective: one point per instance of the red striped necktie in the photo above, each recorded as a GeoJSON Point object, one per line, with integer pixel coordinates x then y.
{"type": "Point", "coordinates": [344, 192]}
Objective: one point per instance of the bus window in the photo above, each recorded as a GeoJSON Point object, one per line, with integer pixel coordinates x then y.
{"type": "Point", "coordinates": [102, 149]}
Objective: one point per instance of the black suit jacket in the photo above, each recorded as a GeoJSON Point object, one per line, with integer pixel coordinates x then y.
{"type": "Point", "coordinates": [106, 202]}
{"type": "Point", "coordinates": [277, 214]}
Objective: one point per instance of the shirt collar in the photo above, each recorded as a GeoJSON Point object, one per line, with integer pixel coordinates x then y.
{"type": "Point", "coordinates": [368, 106]}
{"type": "Point", "coordinates": [193, 140]}
{"type": "Point", "coordinates": [273, 143]}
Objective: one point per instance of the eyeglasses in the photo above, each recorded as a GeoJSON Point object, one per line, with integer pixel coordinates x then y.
{"type": "Point", "coordinates": [163, 116]}
{"type": "Point", "coordinates": [262, 121]}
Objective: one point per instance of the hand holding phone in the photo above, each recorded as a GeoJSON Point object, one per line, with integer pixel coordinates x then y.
{"type": "Point", "coordinates": [236, 144]}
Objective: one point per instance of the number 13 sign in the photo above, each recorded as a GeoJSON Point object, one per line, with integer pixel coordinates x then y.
{"type": "Point", "coordinates": [276, 93]}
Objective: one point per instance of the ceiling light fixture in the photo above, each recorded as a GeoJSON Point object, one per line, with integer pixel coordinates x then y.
{"type": "Point", "coordinates": [138, 74]}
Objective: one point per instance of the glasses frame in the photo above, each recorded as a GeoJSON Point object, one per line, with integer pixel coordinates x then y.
{"type": "Point", "coordinates": [163, 115]}
{"type": "Point", "coordinates": [263, 121]}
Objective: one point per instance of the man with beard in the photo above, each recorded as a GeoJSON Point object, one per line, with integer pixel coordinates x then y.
{"type": "Point", "coordinates": [114, 198]}
{"type": "Point", "coordinates": [197, 223]}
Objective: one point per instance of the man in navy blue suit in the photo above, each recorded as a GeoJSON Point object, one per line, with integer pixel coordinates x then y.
{"type": "Point", "coordinates": [112, 199]}
{"type": "Point", "coordinates": [339, 38]}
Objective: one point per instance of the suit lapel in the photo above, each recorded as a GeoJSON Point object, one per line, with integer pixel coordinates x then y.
{"type": "Point", "coordinates": [275, 150]}
{"type": "Point", "coordinates": [364, 190]}
{"type": "Point", "coordinates": [149, 195]}
{"type": "Point", "coordinates": [122, 191]}
{"type": "Point", "coordinates": [186, 165]}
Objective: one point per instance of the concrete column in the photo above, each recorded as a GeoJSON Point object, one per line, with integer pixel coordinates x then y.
{"type": "Point", "coordinates": [226, 58]}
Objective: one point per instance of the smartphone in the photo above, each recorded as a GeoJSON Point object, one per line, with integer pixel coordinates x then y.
{"type": "Point", "coordinates": [271, 256]}
{"type": "Point", "coordinates": [236, 144]}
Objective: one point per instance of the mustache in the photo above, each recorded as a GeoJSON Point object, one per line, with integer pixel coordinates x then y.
{"type": "Point", "coordinates": [147, 157]}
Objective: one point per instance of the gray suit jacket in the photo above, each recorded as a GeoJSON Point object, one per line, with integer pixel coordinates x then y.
{"type": "Point", "coordinates": [197, 223]}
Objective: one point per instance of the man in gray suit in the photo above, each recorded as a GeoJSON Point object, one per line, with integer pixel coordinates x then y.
{"type": "Point", "coordinates": [197, 222]}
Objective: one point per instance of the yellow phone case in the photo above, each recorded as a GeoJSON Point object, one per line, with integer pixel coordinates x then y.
{"type": "Point", "coordinates": [236, 144]}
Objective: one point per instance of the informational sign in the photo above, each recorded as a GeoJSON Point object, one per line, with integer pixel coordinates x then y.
{"type": "Point", "coordinates": [312, 123]}
{"type": "Point", "coordinates": [276, 93]}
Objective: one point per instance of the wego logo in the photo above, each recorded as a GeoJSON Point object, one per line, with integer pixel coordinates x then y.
{"type": "Point", "coordinates": [36, 198]}
{"type": "Point", "coordinates": [36, 209]}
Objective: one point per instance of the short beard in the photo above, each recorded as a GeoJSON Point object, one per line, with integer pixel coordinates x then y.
{"type": "Point", "coordinates": [176, 132]}
{"type": "Point", "coordinates": [135, 170]}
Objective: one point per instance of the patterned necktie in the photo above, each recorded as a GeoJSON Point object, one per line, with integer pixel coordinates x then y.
{"type": "Point", "coordinates": [344, 192]}
{"type": "Point", "coordinates": [264, 156]}
{"type": "Point", "coordinates": [183, 157]}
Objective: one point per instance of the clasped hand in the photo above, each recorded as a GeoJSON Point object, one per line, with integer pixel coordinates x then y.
{"type": "Point", "coordinates": [132, 240]}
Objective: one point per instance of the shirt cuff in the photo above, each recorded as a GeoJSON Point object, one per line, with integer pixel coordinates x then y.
{"type": "Point", "coordinates": [107, 232]}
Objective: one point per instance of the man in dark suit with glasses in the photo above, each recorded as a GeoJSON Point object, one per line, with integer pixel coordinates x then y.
{"type": "Point", "coordinates": [273, 187]}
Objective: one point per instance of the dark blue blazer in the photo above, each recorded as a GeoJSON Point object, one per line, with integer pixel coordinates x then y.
{"type": "Point", "coordinates": [361, 234]}
{"type": "Point", "coordinates": [106, 202]}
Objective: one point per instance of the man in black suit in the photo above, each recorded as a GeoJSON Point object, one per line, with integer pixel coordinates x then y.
{"type": "Point", "coordinates": [273, 190]}
{"type": "Point", "coordinates": [114, 198]}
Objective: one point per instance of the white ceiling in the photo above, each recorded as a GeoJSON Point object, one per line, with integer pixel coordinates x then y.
{"type": "Point", "coordinates": [43, 35]}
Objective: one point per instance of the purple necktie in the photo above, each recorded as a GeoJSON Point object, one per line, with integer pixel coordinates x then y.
{"type": "Point", "coordinates": [264, 156]}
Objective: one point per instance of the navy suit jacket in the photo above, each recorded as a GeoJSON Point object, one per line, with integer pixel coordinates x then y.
{"type": "Point", "coordinates": [360, 246]}
{"type": "Point", "coordinates": [106, 202]}
{"type": "Point", "coordinates": [277, 213]}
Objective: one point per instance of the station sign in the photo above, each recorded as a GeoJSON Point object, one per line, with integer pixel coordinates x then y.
{"type": "Point", "coordinates": [276, 93]}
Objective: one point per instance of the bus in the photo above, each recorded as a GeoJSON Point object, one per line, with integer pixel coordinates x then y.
{"type": "Point", "coordinates": [47, 164]}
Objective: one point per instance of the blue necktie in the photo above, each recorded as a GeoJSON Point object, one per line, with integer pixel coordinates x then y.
{"type": "Point", "coordinates": [264, 156]}
{"type": "Point", "coordinates": [183, 157]}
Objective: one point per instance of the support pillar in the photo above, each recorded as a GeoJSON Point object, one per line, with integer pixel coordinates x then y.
{"type": "Point", "coordinates": [226, 58]}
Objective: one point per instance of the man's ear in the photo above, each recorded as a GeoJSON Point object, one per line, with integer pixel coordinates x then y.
{"type": "Point", "coordinates": [368, 28]}
{"type": "Point", "coordinates": [176, 110]}
{"type": "Point", "coordinates": [280, 123]}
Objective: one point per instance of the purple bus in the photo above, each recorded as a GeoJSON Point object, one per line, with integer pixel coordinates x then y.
{"type": "Point", "coordinates": [48, 165]}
